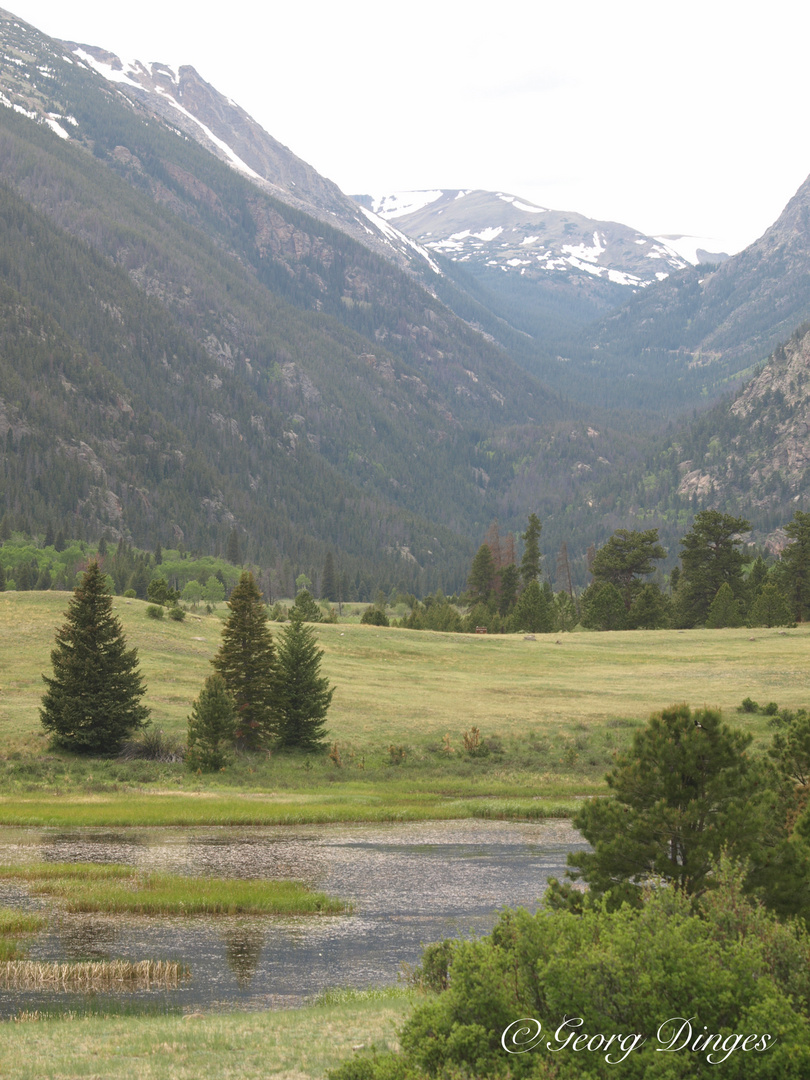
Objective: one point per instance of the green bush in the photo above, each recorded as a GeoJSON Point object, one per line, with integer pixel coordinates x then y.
{"type": "Point", "coordinates": [177, 614]}
{"type": "Point", "coordinates": [155, 611]}
{"type": "Point", "coordinates": [373, 616]}
{"type": "Point", "coordinates": [726, 965]}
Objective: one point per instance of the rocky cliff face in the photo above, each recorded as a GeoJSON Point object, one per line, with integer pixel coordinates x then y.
{"type": "Point", "coordinates": [755, 451]}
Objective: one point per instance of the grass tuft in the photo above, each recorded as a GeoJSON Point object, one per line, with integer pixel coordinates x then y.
{"type": "Point", "coordinates": [91, 887]}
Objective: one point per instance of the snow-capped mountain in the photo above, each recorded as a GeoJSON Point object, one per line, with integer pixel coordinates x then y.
{"type": "Point", "coordinates": [181, 98]}
{"type": "Point", "coordinates": [184, 100]}
{"type": "Point", "coordinates": [496, 230]}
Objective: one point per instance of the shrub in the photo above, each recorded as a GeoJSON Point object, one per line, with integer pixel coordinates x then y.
{"type": "Point", "coordinates": [177, 614]}
{"type": "Point", "coordinates": [373, 616]}
{"type": "Point", "coordinates": [155, 611]}
{"type": "Point", "coordinates": [153, 745]}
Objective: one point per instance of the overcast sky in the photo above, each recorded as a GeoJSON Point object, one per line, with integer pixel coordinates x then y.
{"type": "Point", "coordinates": [682, 117]}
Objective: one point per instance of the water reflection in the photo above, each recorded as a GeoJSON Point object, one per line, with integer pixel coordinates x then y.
{"type": "Point", "coordinates": [243, 948]}
{"type": "Point", "coordinates": [410, 884]}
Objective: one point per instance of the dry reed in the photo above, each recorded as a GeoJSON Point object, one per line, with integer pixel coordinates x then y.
{"type": "Point", "coordinates": [93, 976]}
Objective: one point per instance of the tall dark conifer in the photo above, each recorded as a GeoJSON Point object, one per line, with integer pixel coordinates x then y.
{"type": "Point", "coordinates": [530, 563]}
{"type": "Point", "coordinates": [93, 699]}
{"type": "Point", "coordinates": [247, 662]}
{"type": "Point", "coordinates": [304, 696]}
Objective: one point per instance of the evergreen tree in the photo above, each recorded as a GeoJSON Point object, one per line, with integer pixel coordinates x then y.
{"type": "Point", "coordinates": [211, 727]}
{"type": "Point", "coordinates": [770, 608]}
{"type": "Point", "coordinates": [139, 581]}
{"type": "Point", "coordinates": [530, 563]}
{"type": "Point", "coordinates": [328, 582]}
{"type": "Point", "coordinates": [627, 557]}
{"type": "Point", "coordinates": [482, 574]}
{"type": "Point", "coordinates": [686, 790]}
{"type": "Point", "coordinates": [566, 615]}
{"type": "Point", "coordinates": [307, 609]}
{"type": "Point", "coordinates": [247, 662]}
{"type": "Point", "coordinates": [564, 570]}
{"type": "Point", "coordinates": [724, 610]}
{"type": "Point", "coordinates": [158, 554]}
{"type": "Point", "coordinates": [603, 607]}
{"type": "Point", "coordinates": [533, 614]}
{"type": "Point", "coordinates": [650, 609]}
{"type": "Point", "coordinates": [93, 699]}
{"type": "Point", "coordinates": [304, 696]}
{"type": "Point", "coordinates": [510, 579]}
{"type": "Point", "coordinates": [710, 558]}
{"type": "Point", "coordinates": [232, 553]}
{"type": "Point", "coordinates": [794, 567]}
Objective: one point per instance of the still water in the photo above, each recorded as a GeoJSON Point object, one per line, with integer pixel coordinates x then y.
{"type": "Point", "coordinates": [410, 884]}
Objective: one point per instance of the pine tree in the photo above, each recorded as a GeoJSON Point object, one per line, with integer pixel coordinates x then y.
{"type": "Point", "coordinates": [93, 699]}
{"type": "Point", "coordinates": [530, 563]}
{"type": "Point", "coordinates": [247, 662]}
{"type": "Point", "coordinates": [482, 574]}
{"type": "Point", "coordinates": [724, 610]}
{"type": "Point", "coordinates": [710, 558]}
{"type": "Point", "coordinates": [232, 552]}
{"type": "Point", "coordinates": [533, 613]}
{"type": "Point", "coordinates": [211, 727]}
{"type": "Point", "coordinates": [794, 567]}
{"type": "Point", "coordinates": [770, 608]}
{"type": "Point", "coordinates": [304, 696]}
{"type": "Point", "coordinates": [328, 584]}
{"type": "Point", "coordinates": [625, 559]}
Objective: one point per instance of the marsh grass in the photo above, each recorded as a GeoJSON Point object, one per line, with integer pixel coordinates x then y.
{"type": "Point", "coordinates": [102, 976]}
{"type": "Point", "coordinates": [93, 887]}
{"type": "Point", "coordinates": [15, 925]}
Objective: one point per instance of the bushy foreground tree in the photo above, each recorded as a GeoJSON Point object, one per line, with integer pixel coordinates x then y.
{"type": "Point", "coordinates": [679, 985]}
{"type": "Point", "coordinates": [92, 703]}
{"type": "Point", "coordinates": [683, 793]}
{"type": "Point", "coordinates": [247, 662]}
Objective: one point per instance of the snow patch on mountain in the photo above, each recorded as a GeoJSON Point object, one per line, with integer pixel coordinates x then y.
{"type": "Point", "coordinates": [398, 239]}
{"type": "Point", "coordinates": [404, 202]}
{"type": "Point", "coordinates": [697, 249]}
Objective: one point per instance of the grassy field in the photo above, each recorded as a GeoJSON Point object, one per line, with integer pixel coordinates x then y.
{"type": "Point", "coordinates": [551, 712]}
{"type": "Point", "coordinates": [293, 1044]}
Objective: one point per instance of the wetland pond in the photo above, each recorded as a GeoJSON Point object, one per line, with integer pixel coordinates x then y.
{"type": "Point", "coordinates": [410, 884]}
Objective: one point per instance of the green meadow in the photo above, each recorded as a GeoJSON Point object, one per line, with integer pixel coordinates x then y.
{"type": "Point", "coordinates": [422, 725]}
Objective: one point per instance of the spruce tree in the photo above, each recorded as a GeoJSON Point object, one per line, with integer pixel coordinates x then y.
{"type": "Point", "coordinates": [329, 589]}
{"type": "Point", "coordinates": [92, 703]}
{"type": "Point", "coordinates": [482, 574]}
{"type": "Point", "coordinates": [247, 662]}
{"type": "Point", "coordinates": [794, 567]}
{"type": "Point", "coordinates": [530, 563]}
{"type": "Point", "coordinates": [211, 727]}
{"type": "Point", "coordinates": [304, 696]}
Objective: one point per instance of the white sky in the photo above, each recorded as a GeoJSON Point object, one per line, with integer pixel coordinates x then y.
{"type": "Point", "coordinates": [682, 117]}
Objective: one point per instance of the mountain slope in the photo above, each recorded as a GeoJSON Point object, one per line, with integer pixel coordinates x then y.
{"type": "Point", "coordinates": [325, 398]}
{"type": "Point", "coordinates": [705, 329]}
